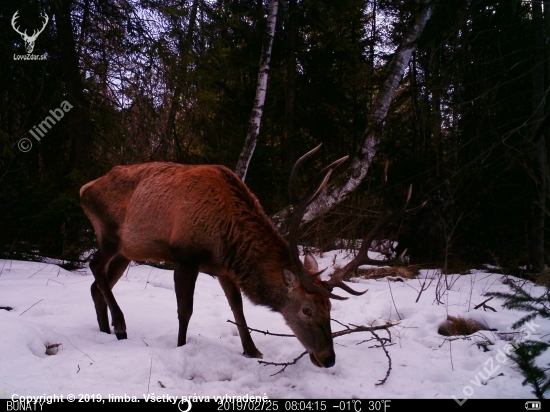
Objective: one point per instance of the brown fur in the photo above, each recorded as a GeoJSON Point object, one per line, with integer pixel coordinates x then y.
{"type": "Point", "coordinates": [201, 218]}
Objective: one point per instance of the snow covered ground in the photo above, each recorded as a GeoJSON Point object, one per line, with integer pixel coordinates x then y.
{"type": "Point", "coordinates": [424, 364]}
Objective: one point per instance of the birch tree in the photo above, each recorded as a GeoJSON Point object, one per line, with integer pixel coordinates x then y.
{"type": "Point", "coordinates": [261, 88]}
{"type": "Point", "coordinates": [361, 161]}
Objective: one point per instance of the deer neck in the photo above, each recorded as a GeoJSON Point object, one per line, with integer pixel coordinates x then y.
{"type": "Point", "coordinates": [258, 272]}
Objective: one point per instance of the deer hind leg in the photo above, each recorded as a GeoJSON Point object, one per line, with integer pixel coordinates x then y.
{"type": "Point", "coordinates": [235, 300]}
{"type": "Point", "coordinates": [107, 269]}
{"type": "Point", "coordinates": [185, 277]}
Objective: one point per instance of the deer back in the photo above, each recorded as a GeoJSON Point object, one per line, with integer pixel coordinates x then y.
{"type": "Point", "coordinates": [154, 210]}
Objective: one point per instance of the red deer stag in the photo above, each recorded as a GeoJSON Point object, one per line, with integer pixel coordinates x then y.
{"type": "Point", "coordinates": [203, 218]}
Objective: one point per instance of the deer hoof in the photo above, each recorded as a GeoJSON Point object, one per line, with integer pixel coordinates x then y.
{"type": "Point", "coordinates": [121, 335]}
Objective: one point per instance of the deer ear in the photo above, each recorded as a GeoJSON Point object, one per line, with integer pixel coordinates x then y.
{"type": "Point", "coordinates": [310, 263]}
{"type": "Point", "coordinates": [289, 279]}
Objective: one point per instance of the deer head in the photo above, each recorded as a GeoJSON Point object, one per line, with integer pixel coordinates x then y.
{"type": "Point", "coordinates": [29, 40]}
{"type": "Point", "coordinates": [308, 309]}
{"type": "Point", "coordinates": [310, 312]}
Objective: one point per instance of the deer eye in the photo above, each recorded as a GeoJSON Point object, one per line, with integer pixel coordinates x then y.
{"type": "Point", "coordinates": [307, 311]}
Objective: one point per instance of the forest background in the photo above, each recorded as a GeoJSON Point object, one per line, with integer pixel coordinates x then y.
{"type": "Point", "coordinates": [452, 95]}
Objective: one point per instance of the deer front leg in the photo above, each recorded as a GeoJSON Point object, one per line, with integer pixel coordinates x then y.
{"type": "Point", "coordinates": [185, 277]}
{"type": "Point", "coordinates": [235, 300]}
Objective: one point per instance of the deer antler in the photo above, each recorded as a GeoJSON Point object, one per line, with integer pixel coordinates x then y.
{"type": "Point", "coordinates": [299, 206]}
{"type": "Point", "coordinates": [362, 257]}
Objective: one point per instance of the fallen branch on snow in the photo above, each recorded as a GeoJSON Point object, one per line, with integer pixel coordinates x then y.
{"type": "Point", "coordinates": [283, 364]}
{"type": "Point", "coordinates": [263, 331]}
{"type": "Point", "coordinates": [356, 328]}
{"type": "Point", "coordinates": [484, 306]}
{"type": "Point", "coordinates": [343, 332]}
{"type": "Point", "coordinates": [383, 381]}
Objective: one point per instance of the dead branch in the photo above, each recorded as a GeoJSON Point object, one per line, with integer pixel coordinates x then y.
{"type": "Point", "coordinates": [340, 323]}
{"type": "Point", "coordinates": [422, 288]}
{"type": "Point", "coordinates": [33, 305]}
{"type": "Point", "coordinates": [61, 283]}
{"type": "Point", "coordinates": [263, 331]}
{"type": "Point", "coordinates": [43, 267]}
{"type": "Point", "coordinates": [451, 355]}
{"type": "Point", "coordinates": [394, 279]}
{"type": "Point", "coordinates": [383, 381]}
{"type": "Point", "coordinates": [484, 306]}
{"type": "Point", "coordinates": [346, 331]}
{"type": "Point", "coordinates": [394, 305]}
{"type": "Point", "coordinates": [78, 349]}
{"type": "Point", "coordinates": [283, 364]}
{"type": "Point", "coordinates": [386, 340]}
{"type": "Point", "coordinates": [379, 346]}
{"type": "Point", "coordinates": [476, 337]}
{"type": "Point", "coordinates": [150, 370]}
{"type": "Point", "coordinates": [356, 328]}
{"type": "Point", "coordinates": [366, 340]}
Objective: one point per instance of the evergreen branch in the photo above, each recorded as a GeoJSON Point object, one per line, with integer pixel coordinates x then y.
{"type": "Point", "coordinates": [525, 357]}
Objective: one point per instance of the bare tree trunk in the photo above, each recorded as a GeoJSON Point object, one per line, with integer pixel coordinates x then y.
{"type": "Point", "coordinates": [371, 55]}
{"type": "Point", "coordinates": [362, 160]}
{"type": "Point", "coordinates": [81, 139]}
{"type": "Point", "coordinates": [546, 17]}
{"type": "Point", "coordinates": [436, 118]}
{"type": "Point", "coordinates": [291, 79]}
{"type": "Point", "coordinates": [415, 89]}
{"type": "Point", "coordinates": [181, 71]}
{"type": "Point", "coordinates": [539, 204]}
{"type": "Point", "coordinates": [261, 87]}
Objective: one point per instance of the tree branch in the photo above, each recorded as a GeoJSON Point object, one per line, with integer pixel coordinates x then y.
{"type": "Point", "coordinates": [346, 331]}
{"type": "Point", "coordinates": [383, 381]}
{"type": "Point", "coordinates": [356, 328]}
{"type": "Point", "coordinates": [262, 331]}
{"type": "Point", "coordinates": [484, 306]}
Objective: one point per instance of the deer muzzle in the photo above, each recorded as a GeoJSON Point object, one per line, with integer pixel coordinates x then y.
{"type": "Point", "coordinates": [323, 361]}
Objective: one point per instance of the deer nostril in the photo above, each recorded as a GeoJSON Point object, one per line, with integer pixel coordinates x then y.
{"type": "Point", "coordinates": [330, 361]}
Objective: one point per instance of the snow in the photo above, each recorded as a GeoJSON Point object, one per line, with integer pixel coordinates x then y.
{"type": "Point", "coordinates": [424, 364]}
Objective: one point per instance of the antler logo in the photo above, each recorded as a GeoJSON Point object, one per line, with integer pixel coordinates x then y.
{"type": "Point", "coordinates": [29, 40]}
